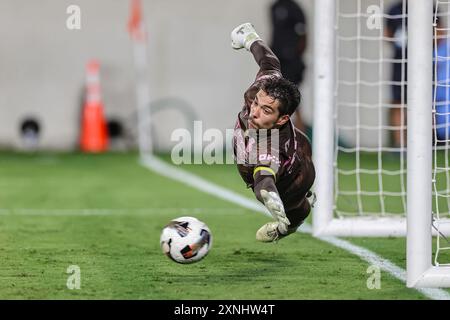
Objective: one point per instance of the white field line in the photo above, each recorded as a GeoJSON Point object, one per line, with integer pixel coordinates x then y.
{"type": "Point", "coordinates": [162, 168]}
{"type": "Point", "coordinates": [115, 211]}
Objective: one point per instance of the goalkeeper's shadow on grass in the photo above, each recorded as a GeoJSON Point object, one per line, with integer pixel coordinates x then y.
{"type": "Point", "coordinates": [242, 270]}
{"type": "Point", "coordinates": [252, 256]}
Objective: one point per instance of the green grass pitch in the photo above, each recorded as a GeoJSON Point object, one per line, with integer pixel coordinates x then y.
{"type": "Point", "coordinates": [104, 213]}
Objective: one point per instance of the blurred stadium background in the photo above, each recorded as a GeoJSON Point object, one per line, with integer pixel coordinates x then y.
{"type": "Point", "coordinates": [190, 61]}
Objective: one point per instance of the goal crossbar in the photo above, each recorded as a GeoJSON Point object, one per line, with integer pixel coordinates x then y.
{"type": "Point", "coordinates": [370, 226]}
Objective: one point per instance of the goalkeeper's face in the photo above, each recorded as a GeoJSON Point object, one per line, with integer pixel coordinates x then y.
{"type": "Point", "coordinates": [265, 113]}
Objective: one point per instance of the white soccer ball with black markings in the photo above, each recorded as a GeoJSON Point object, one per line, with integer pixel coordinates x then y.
{"type": "Point", "coordinates": [186, 240]}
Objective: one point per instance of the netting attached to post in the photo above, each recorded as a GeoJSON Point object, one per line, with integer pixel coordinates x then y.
{"type": "Point", "coordinates": [441, 132]}
{"type": "Point", "coordinates": [369, 112]}
{"type": "Point", "coordinates": [370, 121]}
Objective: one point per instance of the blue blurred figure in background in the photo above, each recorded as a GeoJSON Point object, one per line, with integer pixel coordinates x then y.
{"type": "Point", "coordinates": [396, 25]}
{"type": "Point", "coordinates": [442, 115]}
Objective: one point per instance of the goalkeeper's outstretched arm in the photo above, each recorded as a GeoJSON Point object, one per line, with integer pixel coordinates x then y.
{"type": "Point", "coordinates": [268, 63]}
{"type": "Point", "coordinates": [245, 36]}
{"type": "Point", "coordinates": [266, 192]}
{"type": "Point", "coordinates": [263, 182]}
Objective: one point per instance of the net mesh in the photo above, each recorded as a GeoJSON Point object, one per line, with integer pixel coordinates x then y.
{"type": "Point", "coordinates": [370, 158]}
{"type": "Point", "coordinates": [370, 113]}
{"type": "Point", "coordinates": [441, 132]}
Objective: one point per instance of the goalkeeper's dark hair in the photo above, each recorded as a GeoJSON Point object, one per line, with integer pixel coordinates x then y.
{"type": "Point", "coordinates": [285, 91]}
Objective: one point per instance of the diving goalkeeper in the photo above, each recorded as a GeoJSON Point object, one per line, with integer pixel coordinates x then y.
{"type": "Point", "coordinates": [283, 173]}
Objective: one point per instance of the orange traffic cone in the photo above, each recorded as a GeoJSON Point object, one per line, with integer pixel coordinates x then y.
{"type": "Point", "coordinates": [94, 132]}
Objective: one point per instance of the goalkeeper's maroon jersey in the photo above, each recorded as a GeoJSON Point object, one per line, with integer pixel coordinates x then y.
{"type": "Point", "coordinates": [290, 160]}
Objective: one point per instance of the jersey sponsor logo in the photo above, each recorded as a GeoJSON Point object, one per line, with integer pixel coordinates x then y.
{"type": "Point", "coordinates": [269, 158]}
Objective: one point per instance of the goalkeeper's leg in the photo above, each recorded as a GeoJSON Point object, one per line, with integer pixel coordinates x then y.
{"type": "Point", "coordinates": [298, 215]}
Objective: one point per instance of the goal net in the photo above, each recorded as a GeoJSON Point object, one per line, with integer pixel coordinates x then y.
{"type": "Point", "coordinates": [381, 124]}
{"type": "Point", "coordinates": [441, 133]}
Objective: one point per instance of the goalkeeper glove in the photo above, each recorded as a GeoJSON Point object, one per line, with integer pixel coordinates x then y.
{"type": "Point", "coordinates": [275, 206]}
{"type": "Point", "coordinates": [243, 36]}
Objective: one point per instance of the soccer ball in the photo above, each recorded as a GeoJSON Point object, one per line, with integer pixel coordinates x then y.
{"type": "Point", "coordinates": [186, 240]}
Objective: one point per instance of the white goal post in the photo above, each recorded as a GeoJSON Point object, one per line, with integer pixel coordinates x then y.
{"type": "Point", "coordinates": [324, 135]}
{"type": "Point", "coordinates": [420, 270]}
{"type": "Point", "coordinates": [417, 193]}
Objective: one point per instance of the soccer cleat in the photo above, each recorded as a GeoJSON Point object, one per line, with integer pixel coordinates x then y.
{"type": "Point", "coordinates": [243, 36]}
{"type": "Point", "coordinates": [269, 233]}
